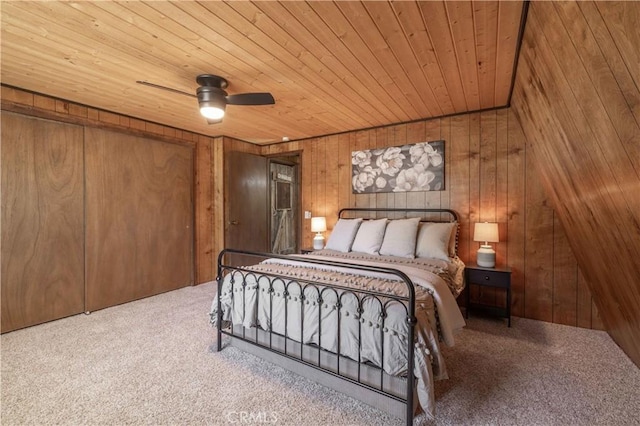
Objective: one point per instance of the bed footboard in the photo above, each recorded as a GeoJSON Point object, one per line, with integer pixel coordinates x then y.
{"type": "Point", "coordinates": [302, 320]}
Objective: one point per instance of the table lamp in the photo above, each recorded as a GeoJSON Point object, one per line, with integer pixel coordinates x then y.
{"type": "Point", "coordinates": [488, 233]}
{"type": "Point", "coordinates": [318, 225]}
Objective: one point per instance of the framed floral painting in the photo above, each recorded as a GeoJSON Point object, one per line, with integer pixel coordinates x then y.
{"type": "Point", "coordinates": [414, 167]}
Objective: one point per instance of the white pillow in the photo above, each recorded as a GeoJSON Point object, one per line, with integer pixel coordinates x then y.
{"type": "Point", "coordinates": [400, 238]}
{"type": "Point", "coordinates": [343, 234]}
{"type": "Point", "coordinates": [434, 240]}
{"type": "Point", "coordinates": [369, 236]}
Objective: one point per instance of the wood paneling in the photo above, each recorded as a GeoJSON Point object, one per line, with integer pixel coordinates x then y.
{"type": "Point", "coordinates": [331, 66]}
{"type": "Point", "coordinates": [577, 98]}
{"type": "Point", "coordinates": [208, 195]}
{"type": "Point", "coordinates": [204, 209]}
{"type": "Point", "coordinates": [42, 221]}
{"type": "Point", "coordinates": [489, 176]}
{"type": "Point", "coordinates": [139, 217]}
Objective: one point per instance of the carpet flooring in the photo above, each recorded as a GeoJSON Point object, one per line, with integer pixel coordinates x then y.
{"type": "Point", "coordinates": [151, 362]}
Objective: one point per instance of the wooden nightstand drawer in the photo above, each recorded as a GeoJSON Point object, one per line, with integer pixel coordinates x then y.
{"type": "Point", "coordinates": [489, 278]}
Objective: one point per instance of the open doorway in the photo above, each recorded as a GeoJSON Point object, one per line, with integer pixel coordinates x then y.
{"type": "Point", "coordinates": [285, 201]}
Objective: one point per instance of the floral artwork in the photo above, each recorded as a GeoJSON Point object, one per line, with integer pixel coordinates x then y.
{"type": "Point", "coordinates": [414, 167]}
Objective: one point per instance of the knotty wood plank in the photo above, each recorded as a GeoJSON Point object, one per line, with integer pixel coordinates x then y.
{"type": "Point", "coordinates": [288, 50]}
{"type": "Point", "coordinates": [459, 148]}
{"type": "Point", "coordinates": [389, 27]}
{"type": "Point", "coordinates": [488, 185]}
{"type": "Point", "coordinates": [204, 211]}
{"type": "Point", "coordinates": [621, 20]}
{"type": "Point", "coordinates": [399, 137]}
{"type": "Point", "coordinates": [584, 302]}
{"type": "Point", "coordinates": [474, 181]}
{"type": "Point", "coordinates": [502, 190]}
{"type": "Point", "coordinates": [516, 211]}
{"type": "Point", "coordinates": [538, 250]}
{"type": "Point", "coordinates": [603, 85]}
{"type": "Point", "coordinates": [445, 134]}
{"type": "Point", "coordinates": [415, 132]}
{"type": "Point", "coordinates": [565, 267]}
{"type": "Point", "coordinates": [344, 171]}
{"type": "Point", "coordinates": [305, 28]}
{"type": "Point", "coordinates": [332, 176]}
{"type": "Point", "coordinates": [485, 19]}
{"type": "Point", "coordinates": [502, 183]}
{"type": "Point", "coordinates": [460, 14]}
{"type": "Point", "coordinates": [42, 221]}
{"type": "Point", "coordinates": [432, 132]}
{"type": "Point", "coordinates": [436, 22]}
{"type": "Point", "coordinates": [509, 16]}
{"type": "Point", "coordinates": [607, 42]}
{"type": "Point", "coordinates": [410, 18]}
{"type": "Point", "coordinates": [218, 213]}
{"type": "Point", "coordinates": [376, 45]}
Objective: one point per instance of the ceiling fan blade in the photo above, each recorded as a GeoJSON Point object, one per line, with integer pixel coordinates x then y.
{"type": "Point", "coordinates": [169, 89]}
{"type": "Point", "coordinates": [251, 99]}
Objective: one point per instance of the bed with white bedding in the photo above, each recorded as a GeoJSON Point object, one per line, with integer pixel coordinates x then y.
{"type": "Point", "coordinates": [352, 312]}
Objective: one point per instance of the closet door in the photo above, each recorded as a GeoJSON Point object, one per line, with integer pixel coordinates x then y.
{"type": "Point", "coordinates": [42, 221]}
{"type": "Point", "coordinates": [139, 217]}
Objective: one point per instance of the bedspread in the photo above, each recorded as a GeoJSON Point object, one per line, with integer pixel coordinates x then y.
{"type": "Point", "coordinates": [375, 333]}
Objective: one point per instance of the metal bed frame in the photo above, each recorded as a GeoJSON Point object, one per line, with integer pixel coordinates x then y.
{"type": "Point", "coordinates": [313, 361]}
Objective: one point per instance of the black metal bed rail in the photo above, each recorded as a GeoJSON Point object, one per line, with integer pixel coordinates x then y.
{"type": "Point", "coordinates": [331, 297]}
{"type": "Point", "coordinates": [453, 213]}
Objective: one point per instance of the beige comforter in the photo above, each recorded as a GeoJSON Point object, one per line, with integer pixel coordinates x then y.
{"type": "Point", "coordinates": [435, 281]}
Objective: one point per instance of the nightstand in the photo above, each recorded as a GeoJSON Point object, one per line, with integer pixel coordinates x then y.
{"type": "Point", "coordinates": [306, 250]}
{"type": "Point", "coordinates": [489, 277]}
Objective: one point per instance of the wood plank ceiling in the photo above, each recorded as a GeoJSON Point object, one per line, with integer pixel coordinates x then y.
{"type": "Point", "coordinates": [331, 66]}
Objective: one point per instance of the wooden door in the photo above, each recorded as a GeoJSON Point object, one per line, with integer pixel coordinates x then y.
{"type": "Point", "coordinates": [246, 201]}
{"type": "Point", "coordinates": [139, 217]}
{"type": "Point", "coordinates": [42, 221]}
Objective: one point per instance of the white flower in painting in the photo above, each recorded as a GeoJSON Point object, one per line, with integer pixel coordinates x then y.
{"type": "Point", "coordinates": [361, 158]}
{"type": "Point", "coordinates": [423, 153]}
{"type": "Point", "coordinates": [381, 182]}
{"type": "Point", "coordinates": [363, 178]}
{"type": "Point", "coordinates": [390, 162]}
{"type": "Point", "coordinates": [417, 178]}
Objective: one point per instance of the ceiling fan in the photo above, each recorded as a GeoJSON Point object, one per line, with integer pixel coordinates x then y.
{"type": "Point", "coordinates": [213, 99]}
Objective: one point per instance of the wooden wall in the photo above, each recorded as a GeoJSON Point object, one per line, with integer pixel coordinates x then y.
{"type": "Point", "coordinates": [42, 220]}
{"type": "Point", "coordinates": [489, 177]}
{"type": "Point", "coordinates": [138, 217]}
{"type": "Point", "coordinates": [577, 97]}
{"type": "Point", "coordinates": [207, 150]}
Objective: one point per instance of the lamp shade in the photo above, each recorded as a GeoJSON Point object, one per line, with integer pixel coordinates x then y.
{"type": "Point", "coordinates": [212, 102]}
{"type": "Point", "coordinates": [318, 224]}
{"type": "Point", "coordinates": [486, 232]}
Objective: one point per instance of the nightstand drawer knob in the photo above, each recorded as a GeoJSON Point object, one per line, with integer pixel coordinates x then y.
{"type": "Point", "coordinates": [486, 277]}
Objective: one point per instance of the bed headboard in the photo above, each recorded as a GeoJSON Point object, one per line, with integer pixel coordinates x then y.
{"type": "Point", "coordinates": [425, 215]}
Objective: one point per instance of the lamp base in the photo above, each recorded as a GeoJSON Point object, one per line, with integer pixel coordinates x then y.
{"type": "Point", "coordinates": [318, 242]}
{"type": "Point", "coordinates": [486, 257]}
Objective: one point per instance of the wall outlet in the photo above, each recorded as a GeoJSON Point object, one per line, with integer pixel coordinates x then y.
{"type": "Point", "coordinates": [307, 215]}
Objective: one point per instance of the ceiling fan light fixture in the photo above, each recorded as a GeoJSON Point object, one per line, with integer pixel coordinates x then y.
{"type": "Point", "coordinates": [212, 102]}
{"type": "Point", "coordinates": [212, 112]}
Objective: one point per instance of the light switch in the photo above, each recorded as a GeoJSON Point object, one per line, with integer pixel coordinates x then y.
{"type": "Point", "coordinates": [307, 215]}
